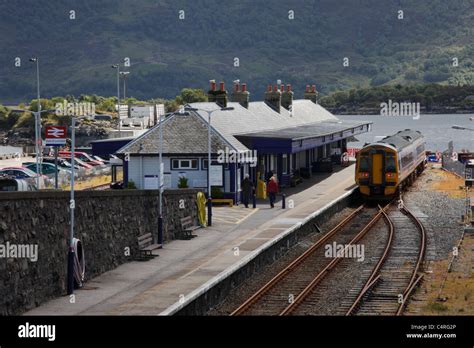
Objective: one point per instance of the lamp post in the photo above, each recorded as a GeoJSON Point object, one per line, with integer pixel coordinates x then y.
{"type": "Point", "coordinates": [124, 77]}
{"type": "Point", "coordinates": [117, 66]}
{"type": "Point", "coordinates": [160, 185]}
{"type": "Point", "coordinates": [72, 206]}
{"type": "Point", "coordinates": [37, 116]}
{"type": "Point", "coordinates": [209, 196]}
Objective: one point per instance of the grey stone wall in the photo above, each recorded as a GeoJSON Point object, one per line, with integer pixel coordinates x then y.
{"type": "Point", "coordinates": [106, 222]}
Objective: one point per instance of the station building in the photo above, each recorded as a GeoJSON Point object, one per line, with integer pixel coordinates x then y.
{"type": "Point", "coordinates": [289, 138]}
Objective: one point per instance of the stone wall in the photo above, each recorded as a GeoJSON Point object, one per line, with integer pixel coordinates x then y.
{"type": "Point", "coordinates": [107, 222]}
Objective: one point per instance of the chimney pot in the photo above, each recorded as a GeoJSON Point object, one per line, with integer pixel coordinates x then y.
{"type": "Point", "coordinates": [275, 88]}
{"type": "Point", "coordinates": [313, 88]}
{"type": "Point", "coordinates": [288, 88]}
{"type": "Point", "coordinates": [213, 85]}
{"type": "Point", "coordinates": [244, 87]}
{"type": "Point", "coordinates": [222, 85]}
{"type": "Point", "coordinates": [307, 89]}
{"type": "Point", "coordinates": [269, 88]}
{"type": "Point", "coordinates": [282, 88]}
{"type": "Point", "coordinates": [236, 87]}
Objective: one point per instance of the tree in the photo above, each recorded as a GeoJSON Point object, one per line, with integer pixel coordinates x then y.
{"type": "Point", "coordinates": [191, 95]}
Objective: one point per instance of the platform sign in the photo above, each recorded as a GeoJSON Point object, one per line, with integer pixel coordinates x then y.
{"type": "Point", "coordinates": [55, 135]}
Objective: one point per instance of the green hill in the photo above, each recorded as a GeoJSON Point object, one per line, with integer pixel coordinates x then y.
{"type": "Point", "coordinates": [168, 54]}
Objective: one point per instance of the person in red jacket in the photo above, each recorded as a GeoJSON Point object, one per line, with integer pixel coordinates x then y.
{"type": "Point", "coordinates": [272, 190]}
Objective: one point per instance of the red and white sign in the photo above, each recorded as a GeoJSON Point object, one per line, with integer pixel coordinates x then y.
{"type": "Point", "coordinates": [55, 135]}
{"type": "Point", "coordinates": [352, 152]}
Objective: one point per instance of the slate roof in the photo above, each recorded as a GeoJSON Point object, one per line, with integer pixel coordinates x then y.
{"type": "Point", "coordinates": [307, 131]}
{"type": "Point", "coordinates": [181, 134]}
{"type": "Point", "coordinates": [306, 120]}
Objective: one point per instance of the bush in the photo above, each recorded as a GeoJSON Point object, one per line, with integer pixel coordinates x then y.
{"type": "Point", "coordinates": [183, 182]}
{"type": "Point", "coordinates": [131, 185]}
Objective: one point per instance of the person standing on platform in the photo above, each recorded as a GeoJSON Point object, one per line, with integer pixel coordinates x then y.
{"type": "Point", "coordinates": [272, 190]}
{"type": "Point", "coordinates": [247, 190]}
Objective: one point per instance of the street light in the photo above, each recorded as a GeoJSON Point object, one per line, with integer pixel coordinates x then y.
{"type": "Point", "coordinates": [209, 199]}
{"type": "Point", "coordinates": [72, 206]}
{"type": "Point", "coordinates": [117, 66]}
{"type": "Point", "coordinates": [124, 77]}
{"type": "Point", "coordinates": [37, 116]}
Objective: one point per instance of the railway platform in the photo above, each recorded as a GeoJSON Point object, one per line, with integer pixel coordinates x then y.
{"type": "Point", "coordinates": [186, 269]}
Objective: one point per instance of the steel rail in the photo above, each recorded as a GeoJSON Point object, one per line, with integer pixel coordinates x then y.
{"type": "Point", "coordinates": [415, 278]}
{"type": "Point", "coordinates": [288, 269]}
{"type": "Point", "coordinates": [321, 275]}
{"type": "Point", "coordinates": [375, 275]}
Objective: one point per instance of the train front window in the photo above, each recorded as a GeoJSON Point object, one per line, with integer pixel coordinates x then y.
{"type": "Point", "coordinates": [390, 164]}
{"type": "Point", "coordinates": [363, 164]}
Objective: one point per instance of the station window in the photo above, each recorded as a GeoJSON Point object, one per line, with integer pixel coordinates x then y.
{"type": "Point", "coordinates": [285, 163]}
{"type": "Point", "coordinates": [184, 164]}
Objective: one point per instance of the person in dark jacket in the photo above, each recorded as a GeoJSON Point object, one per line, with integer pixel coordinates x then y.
{"type": "Point", "coordinates": [272, 190]}
{"type": "Point", "coordinates": [247, 190]}
{"type": "Point", "coordinates": [269, 176]}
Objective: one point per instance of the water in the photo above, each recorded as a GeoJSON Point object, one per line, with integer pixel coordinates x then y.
{"type": "Point", "coordinates": [10, 149]}
{"type": "Point", "coordinates": [436, 129]}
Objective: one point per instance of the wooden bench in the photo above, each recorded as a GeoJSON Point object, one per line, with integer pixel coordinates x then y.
{"type": "Point", "coordinates": [228, 201]}
{"type": "Point", "coordinates": [146, 246]}
{"type": "Point", "coordinates": [188, 227]}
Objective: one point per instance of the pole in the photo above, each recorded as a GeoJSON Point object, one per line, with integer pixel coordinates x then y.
{"type": "Point", "coordinates": [124, 86]}
{"type": "Point", "coordinates": [56, 167]}
{"type": "Point", "coordinates": [160, 181]}
{"type": "Point", "coordinates": [118, 99]}
{"type": "Point", "coordinates": [72, 206]}
{"type": "Point", "coordinates": [38, 125]}
{"type": "Point", "coordinates": [209, 199]}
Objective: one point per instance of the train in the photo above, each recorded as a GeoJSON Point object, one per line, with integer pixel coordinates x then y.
{"type": "Point", "coordinates": [385, 166]}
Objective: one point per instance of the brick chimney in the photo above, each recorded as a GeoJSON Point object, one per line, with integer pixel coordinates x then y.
{"type": "Point", "coordinates": [311, 94]}
{"type": "Point", "coordinates": [286, 97]}
{"type": "Point", "coordinates": [217, 96]}
{"type": "Point", "coordinates": [240, 94]}
{"type": "Point", "coordinates": [273, 98]}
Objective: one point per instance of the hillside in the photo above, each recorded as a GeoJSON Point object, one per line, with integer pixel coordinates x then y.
{"type": "Point", "coordinates": [168, 54]}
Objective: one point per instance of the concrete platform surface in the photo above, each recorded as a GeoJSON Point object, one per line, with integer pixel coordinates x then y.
{"type": "Point", "coordinates": [184, 269]}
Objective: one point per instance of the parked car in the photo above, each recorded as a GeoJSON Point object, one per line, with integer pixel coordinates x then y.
{"type": "Point", "coordinates": [27, 174]}
{"type": "Point", "coordinates": [101, 159]}
{"type": "Point", "coordinates": [82, 156]}
{"type": "Point", "coordinates": [62, 162]}
{"type": "Point", "coordinates": [47, 169]}
{"type": "Point", "coordinates": [9, 184]}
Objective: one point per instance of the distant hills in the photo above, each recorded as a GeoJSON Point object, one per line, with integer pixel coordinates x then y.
{"type": "Point", "coordinates": [433, 43]}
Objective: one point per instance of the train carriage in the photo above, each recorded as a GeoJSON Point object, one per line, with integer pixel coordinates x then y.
{"type": "Point", "coordinates": [383, 166]}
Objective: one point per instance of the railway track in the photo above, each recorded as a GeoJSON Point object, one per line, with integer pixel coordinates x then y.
{"type": "Point", "coordinates": [288, 289]}
{"type": "Point", "coordinates": [389, 286]}
{"type": "Point", "coordinates": [385, 291]}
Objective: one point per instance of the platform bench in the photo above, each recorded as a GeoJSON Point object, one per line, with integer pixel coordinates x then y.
{"type": "Point", "coordinates": [228, 201]}
{"type": "Point", "coordinates": [188, 227]}
{"type": "Point", "coordinates": [146, 246]}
